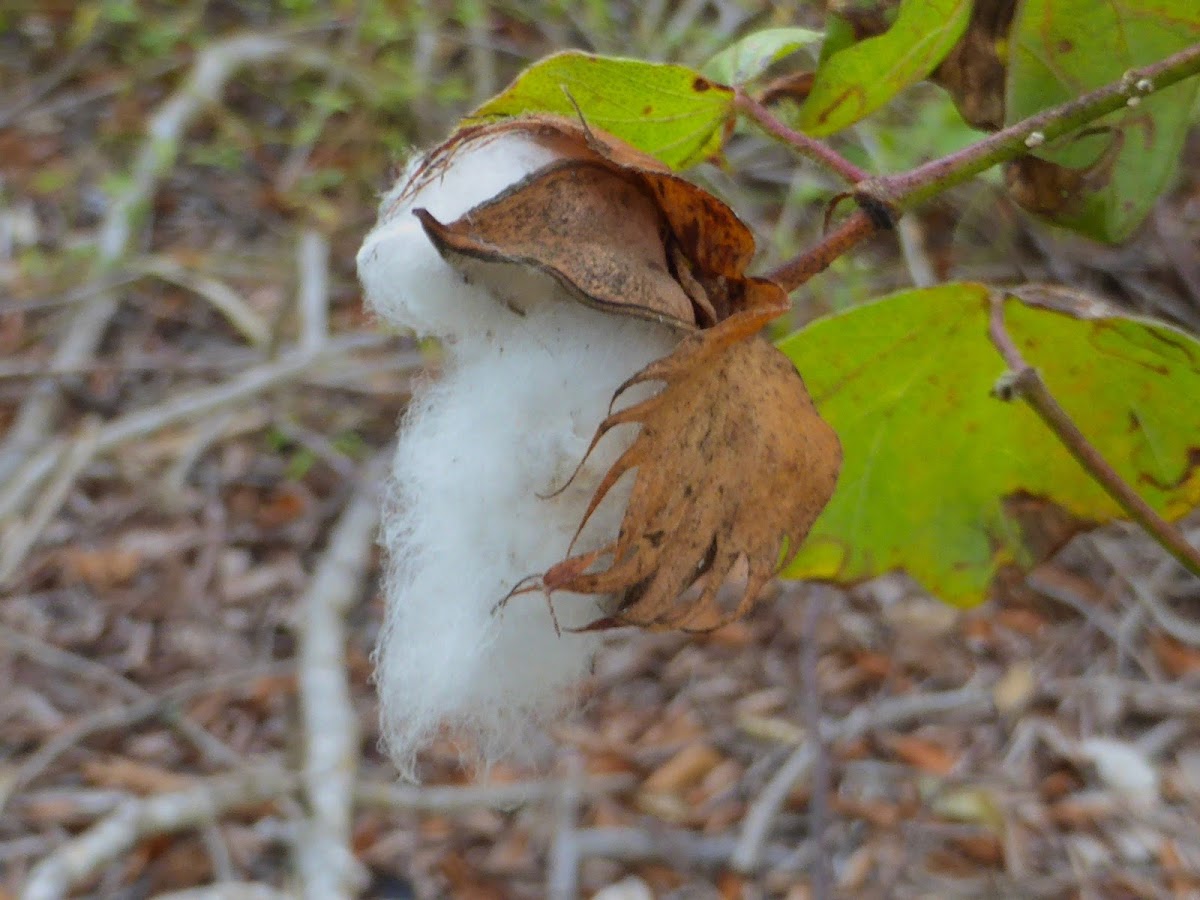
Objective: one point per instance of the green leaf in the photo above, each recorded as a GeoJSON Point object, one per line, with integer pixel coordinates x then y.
{"type": "Point", "coordinates": [1062, 48]}
{"type": "Point", "coordinates": [931, 457]}
{"type": "Point", "coordinates": [858, 80]}
{"type": "Point", "coordinates": [839, 34]}
{"type": "Point", "coordinates": [671, 112]}
{"type": "Point", "coordinates": [749, 57]}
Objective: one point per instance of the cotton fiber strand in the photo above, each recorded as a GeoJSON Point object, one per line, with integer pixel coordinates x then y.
{"type": "Point", "coordinates": [481, 450]}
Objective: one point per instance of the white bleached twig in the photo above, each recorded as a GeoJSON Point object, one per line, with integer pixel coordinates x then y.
{"type": "Point", "coordinates": [312, 263]}
{"type": "Point", "coordinates": [224, 299]}
{"type": "Point", "coordinates": [165, 131]}
{"type": "Point", "coordinates": [324, 858]}
{"type": "Point", "coordinates": [452, 798]}
{"type": "Point", "coordinates": [19, 537]}
{"type": "Point", "coordinates": [228, 890]}
{"type": "Point", "coordinates": [81, 857]}
{"type": "Point", "coordinates": [185, 407]}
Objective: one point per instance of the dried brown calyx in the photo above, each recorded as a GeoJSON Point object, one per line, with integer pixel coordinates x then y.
{"type": "Point", "coordinates": [733, 462]}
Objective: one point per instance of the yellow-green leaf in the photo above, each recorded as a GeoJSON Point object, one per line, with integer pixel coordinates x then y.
{"type": "Point", "coordinates": [671, 112]}
{"type": "Point", "coordinates": [854, 82]}
{"type": "Point", "coordinates": [750, 56]}
{"type": "Point", "coordinates": [1063, 48]}
{"type": "Point", "coordinates": [933, 462]}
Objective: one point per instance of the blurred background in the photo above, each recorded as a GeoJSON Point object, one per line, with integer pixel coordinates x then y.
{"type": "Point", "coordinates": [193, 410]}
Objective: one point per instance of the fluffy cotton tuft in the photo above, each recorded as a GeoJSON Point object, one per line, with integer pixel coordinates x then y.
{"type": "Point", "coordinates": [481, 448]}
{"type": "Point", "coordinates": [403, 276]}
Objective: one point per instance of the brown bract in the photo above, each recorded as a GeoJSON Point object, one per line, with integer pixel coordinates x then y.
{"type": "Point", "coordinates": [614, 226]}
{"type": "Point", "coordinates": [734, 464]}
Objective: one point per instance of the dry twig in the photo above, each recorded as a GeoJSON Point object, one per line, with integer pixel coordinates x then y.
{"type": "Point", "coordinates": [455, 798]}
{"type": "Point", "coordinates": [228, 890]}
{"type": "Point", "coordinates": [185, 407]}
{"type": "Point", "coordinates": [165, 131]}
{"type": "Point", "coordinates": [323, 855]}
{"type": "Point", "coordinates": [83, 856]}
{"type": "Point", "coordinates": [126, 716]}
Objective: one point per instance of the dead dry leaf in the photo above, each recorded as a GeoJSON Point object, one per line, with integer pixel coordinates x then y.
{"type": "Point", "coordinates": [733, 466]}
{"type": "Point", "coordinates": [974, 71]}
{"type": "Point", "coordinates": [923, 754]}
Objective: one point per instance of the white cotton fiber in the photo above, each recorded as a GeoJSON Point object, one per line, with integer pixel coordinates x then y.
{"type": "Point", "coordinates": [404, 278]}
{"type": "Point", "coordinates": [504, 425]}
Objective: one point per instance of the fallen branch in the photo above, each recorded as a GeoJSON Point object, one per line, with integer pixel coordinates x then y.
{"type": "Point", "coordinates": [312, 298]}
{"type": "Point", "coordinates": [82, 857]}
{"type": "Point", "coordinates": [229, 890]}
{"type": "Point", "coordinates": [672, 845]}
{"type": "Point", "coordinates": [324, 859]}
{"type": "Point", "coordinates": [453, 798]}
{"type": "Point", "coordinates": [126, 716]}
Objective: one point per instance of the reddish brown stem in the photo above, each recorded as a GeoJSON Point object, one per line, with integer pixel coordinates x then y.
{"type": "Point", "coordinates": [1025, 382]}
{"type": "Point", "coordinates": [797, 271]}
{"type": "Point", "coordinates": [803, 144]}
{"type": "Point", "coordinates": [907, 189]}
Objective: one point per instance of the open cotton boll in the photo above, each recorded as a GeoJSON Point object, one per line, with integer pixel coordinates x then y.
{"type": "Point", "coordinates": [482, 450]}
{"type": "Point", "coordinates": [405, 279]}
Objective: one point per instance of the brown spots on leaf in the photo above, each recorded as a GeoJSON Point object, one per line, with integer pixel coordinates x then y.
{"type": "Point", "coordinates": [974, 71]}
{"type": "Point", "coordinates": [1057, 192]}
{"type": "Point", "coordinates": [854, 93]}
{"type": "Point", "coordinates": [700, 85]}
{"type": "Point", "coordinates": [1044, 188]}
{"type": "Point", "coordinates": [1045, 527]}
{"type": "Point", "coordinates": [1189, 470]}
{"type": "Point", "coordinates": [795, 86]}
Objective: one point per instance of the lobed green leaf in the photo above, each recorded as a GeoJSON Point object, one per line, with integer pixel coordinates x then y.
{"type": "Point", "coordinates": [932, 459]}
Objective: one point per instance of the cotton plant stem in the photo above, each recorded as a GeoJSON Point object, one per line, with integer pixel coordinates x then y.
{"type": "Point", "coordinates": [1025, 382]}
{"type": "Point", "coordinates": [818, 151]}
{"type": "Point", "coordinates": [897, 193]}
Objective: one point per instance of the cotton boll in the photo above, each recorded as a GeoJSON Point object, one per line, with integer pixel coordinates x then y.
{"type": "Point", "coordinates": [404, 277]}
{"type": "Point", "coordinates": [475, 505]}
{"type": "Point", "coordinates": [480, 449]}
